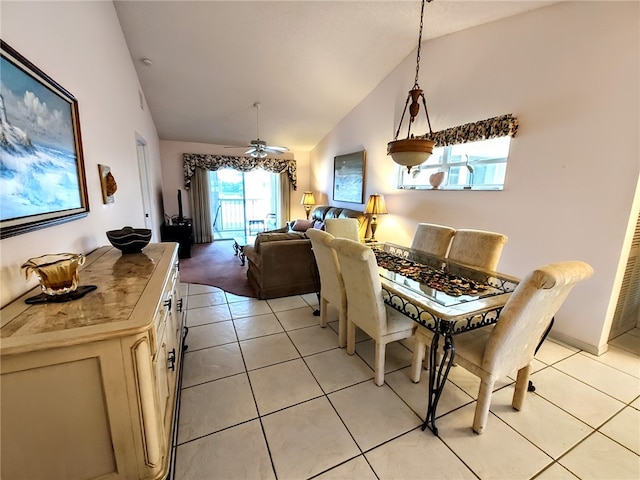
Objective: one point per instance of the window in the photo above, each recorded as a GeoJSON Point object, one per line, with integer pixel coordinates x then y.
{"type": "Point", "coordinates": [480, 165]}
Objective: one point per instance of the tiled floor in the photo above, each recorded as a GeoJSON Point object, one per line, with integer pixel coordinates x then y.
{"type": "Point", "coordinates": [266, 393]}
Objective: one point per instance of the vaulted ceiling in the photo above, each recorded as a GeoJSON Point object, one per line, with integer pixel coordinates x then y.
{"type": "Point", "coordinates": [308, 63]}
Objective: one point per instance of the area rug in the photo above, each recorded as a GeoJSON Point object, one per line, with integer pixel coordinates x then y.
{"type": "Point", "coordinates": [215, 264]}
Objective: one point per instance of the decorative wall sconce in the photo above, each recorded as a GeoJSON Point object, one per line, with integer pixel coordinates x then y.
{"type": "Point", "coordinates": [308, 201]}
{"type": "Point", "coordinates": [413, 151]}
{"type": "Point", "coordinates": [375, 206]}
{"type": "Point", "coordinates": [107, 183]}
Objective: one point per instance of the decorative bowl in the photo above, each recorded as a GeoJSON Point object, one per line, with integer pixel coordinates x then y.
{"type": "Point", "coordinates": [129, 240]}
{"type": "Point", "coordinates": [57, 272]}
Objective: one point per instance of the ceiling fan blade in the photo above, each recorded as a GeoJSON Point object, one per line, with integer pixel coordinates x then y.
{"type": "Point", "coordinates": [251, 150]}
{"type": "Point", "coordinates": [277, 149]}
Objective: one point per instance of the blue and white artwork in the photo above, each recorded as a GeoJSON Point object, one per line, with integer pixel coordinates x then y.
{"type": "Point", "coordinates": [38, 157]}
{"type": "Point", "coordinates": [348, 177]}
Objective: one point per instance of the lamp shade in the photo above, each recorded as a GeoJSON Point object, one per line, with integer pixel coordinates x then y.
{"type": "Point", "coordinates": [410, 151]}
{"type": "Point", "coordinates": [308, 199]}
{"type": "Point", "coordinates": [376, 205]}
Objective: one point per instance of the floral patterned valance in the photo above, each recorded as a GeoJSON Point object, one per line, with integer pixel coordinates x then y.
{"type": "Point", "coordinates": [244, 164]}
{"type": "Point", "coordinates": [502, 126]}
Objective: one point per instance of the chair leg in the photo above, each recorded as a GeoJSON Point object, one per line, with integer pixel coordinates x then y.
{"type": "Point", "coordinates": [342, 328]}
{"type": "Point", "coordinates": [484, 402]}
{"type": "Point", "coordinates": [323, 312]}
{"type": "Point", "coordinates": [379, 363]}
{"type": "Point", "coordinates": [522, 383]}
{"type": "Point", "coordinates": [351, 337]}
{"type": "Point", "coordinates": [418, 358]}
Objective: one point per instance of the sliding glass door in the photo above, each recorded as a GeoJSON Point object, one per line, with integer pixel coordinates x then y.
{"type": "Point", "coordinates": [243, 203]}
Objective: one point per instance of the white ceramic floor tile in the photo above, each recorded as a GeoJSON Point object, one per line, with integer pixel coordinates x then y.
{"type": "Point", "coordinates": [264, 351]}
{"type": "Point", "coordinates": [551, 352]}
{"type": "Point", "coordinates": [249, 308]}
{"type": "Point", "coordinates": [636, 403]}
{"type": "Point", "coordinates": [373, 414]}
{"type": "Point", "coordinates": [417, 455]}
{"type": "Point", "coordinates": [211, 335]}
{"type": "Point", "coordinates": [556, 472]}
{"type": "Point", "coordinates": [236, 453]}
{"type": "Point", "coordinates": [607, 379]}
{"type": "Point", "coordinates": [211, 314]}
{"type": "Point", "coordinates": [196, 289]}
{"type": "Point", "coordinates": [580, 400]}
{"type": "Point", "coordinates": [416, 395]}
{"type": "Point", "coordinates": [283, 385]}
{"type": "Point", "coordinates": [396, 356]}
{"type": "Point", "coordinates": [542, 423]}
{"type": "Point", "coordinates": [620, 359]}
{"type": "Point", "coordinates": [311, 299]}
{"type": "Point", "coordinates": [314, 339]}
{"type": "Point", "coordinates": [287, 303]}
{"type": "Point", "coordinates": [334, 369]}
{"type": "Point", "coordinates": [213, 406]}
{"type": "Point", "coordinates": [499, 453]}
{"type": "Point", "coordinates": [356, 469]}
{"type": "Point", "coordinates": [627, 342]}
{"type": "Point", "coordinates": [624, 428]}
{"type": "Point", "coordinates": [307, 439]}
{"type": "Point", "coordinates": [206, 299]}
{"type": "Point", "coordinates": [297, 318]}
{"type": "Point", "coordinates": [211, 363]}
{"type": "Point", "coordinates": [231, 298]}
{"type": "Point", "coordinates": [599, 457]}
{"type": "Point", "coordinates": [258, 326]}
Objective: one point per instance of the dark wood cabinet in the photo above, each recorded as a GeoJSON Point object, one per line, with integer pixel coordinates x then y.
{"type": "Point", "coordinates": [179, 232]}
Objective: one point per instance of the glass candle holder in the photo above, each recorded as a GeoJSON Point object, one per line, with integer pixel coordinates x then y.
{"type": "Point", "coordinates": [57, 273]}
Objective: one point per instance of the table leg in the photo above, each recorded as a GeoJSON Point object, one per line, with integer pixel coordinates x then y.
{"type": "Point", "coordinates": [438, 374]}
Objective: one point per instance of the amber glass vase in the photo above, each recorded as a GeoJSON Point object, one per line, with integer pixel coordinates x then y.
{"type": "Point", "coordinates": [57, 272]}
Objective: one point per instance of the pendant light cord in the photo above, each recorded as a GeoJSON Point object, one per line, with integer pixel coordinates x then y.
{"type": "Point", "coordinates": [419, 43]}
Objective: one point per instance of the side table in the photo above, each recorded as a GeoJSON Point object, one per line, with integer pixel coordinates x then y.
{"type": "Point", "coordinates": [179, 232]}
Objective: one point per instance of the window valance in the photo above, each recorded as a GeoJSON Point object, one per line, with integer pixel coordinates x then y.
{"type": "Point", "coordinates": [501, 126]}
{"type": "Point", "coordinates": [244, 164]}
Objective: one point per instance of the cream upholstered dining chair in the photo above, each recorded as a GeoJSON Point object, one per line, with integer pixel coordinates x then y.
{"type": "Point", "coordinates": [433, 239]}
{"type": "Point", "coordinates": [478, 248]}
{"type": "Point", "coordinates": [490, 353]}
{"type": "Point", "coordinates": [365, 307]}
{"type": "Point", "coordinates": [343, 228]}
{"type": "Point", "coordinates": [331, 283]}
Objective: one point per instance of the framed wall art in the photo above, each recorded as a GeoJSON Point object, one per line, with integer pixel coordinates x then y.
{"type": "Point", "coordinates": [348, 177]}
{"type": "Point", "coordinates": [42, 176]}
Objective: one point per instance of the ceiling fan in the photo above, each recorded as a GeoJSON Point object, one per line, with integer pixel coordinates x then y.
{"type": "Point", "coordinates": [259, 148]}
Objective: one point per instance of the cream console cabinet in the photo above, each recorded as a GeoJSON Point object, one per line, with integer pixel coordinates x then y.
{"type": "Point", "coordinates": [88, 388]}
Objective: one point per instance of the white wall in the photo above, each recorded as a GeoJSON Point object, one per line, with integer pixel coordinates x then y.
{"type": "Point", "coordinates": [81, 46]}
{"type": "Point", "coordinates": [173, 177]}
{"type": "Point", "coordinates": [570, 73]}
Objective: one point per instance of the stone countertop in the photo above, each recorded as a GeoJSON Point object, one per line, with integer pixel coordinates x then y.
{"type": "Point", "coordinates": [125, 301]}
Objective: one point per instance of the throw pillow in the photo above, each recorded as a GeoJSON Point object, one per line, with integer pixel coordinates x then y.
{"type": "Point", "coordinates": [319, 224]}
{"type": "Point", "coordinates": [302, 225]}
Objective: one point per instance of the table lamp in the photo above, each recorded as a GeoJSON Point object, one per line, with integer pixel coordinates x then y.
{"type": "Point", "coordinates": [375, 206]}
{"type": "Point", "coordinates": [308, 201]}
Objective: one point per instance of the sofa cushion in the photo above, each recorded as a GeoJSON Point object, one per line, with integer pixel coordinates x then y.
{"type": "Point", "coordinates": [301, 225]}
{"type": "Point", "coordinates": [318, 225]}
{"type": "Point", "coordinates": [276, 237]}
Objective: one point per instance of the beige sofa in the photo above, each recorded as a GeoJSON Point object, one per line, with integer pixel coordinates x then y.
{"type": "Point", "coordinates": [281, 262]}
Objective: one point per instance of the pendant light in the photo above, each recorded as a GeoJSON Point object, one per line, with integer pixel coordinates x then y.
{"type": "Point", "coordinates": [413, 151]}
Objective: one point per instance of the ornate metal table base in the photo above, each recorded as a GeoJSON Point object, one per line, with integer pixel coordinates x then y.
{"type": "Point", "coordinates": [438, 374]}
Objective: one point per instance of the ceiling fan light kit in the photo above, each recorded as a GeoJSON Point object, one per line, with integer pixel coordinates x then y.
{"type": "Point", "coordinates": [413, 151]}
{"type": "Point", "coordinates": [259, 148]}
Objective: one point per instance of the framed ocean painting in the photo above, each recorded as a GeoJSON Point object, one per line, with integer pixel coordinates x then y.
{"type": "Point", "coordinates": [348, 177]}
{"type": "Point", "coordinates": [42, 177]}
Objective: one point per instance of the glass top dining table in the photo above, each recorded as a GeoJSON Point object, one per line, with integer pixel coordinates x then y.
{"type": "Point", "coordinates": [444, 296]}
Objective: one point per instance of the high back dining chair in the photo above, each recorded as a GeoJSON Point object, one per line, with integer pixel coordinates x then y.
{"type": "Point", "coordinates": [331, 283]}
{"type": "Point", "coordinates": [432, 238]}
{"type": "Point", "coordinates": [490, 353]}
{"type": "Point", "coordinates": [365, 307]}
{"type": "Point", "coordinates": [343, 228]}
{"type": "Point", "coordinates": [477, 248]}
